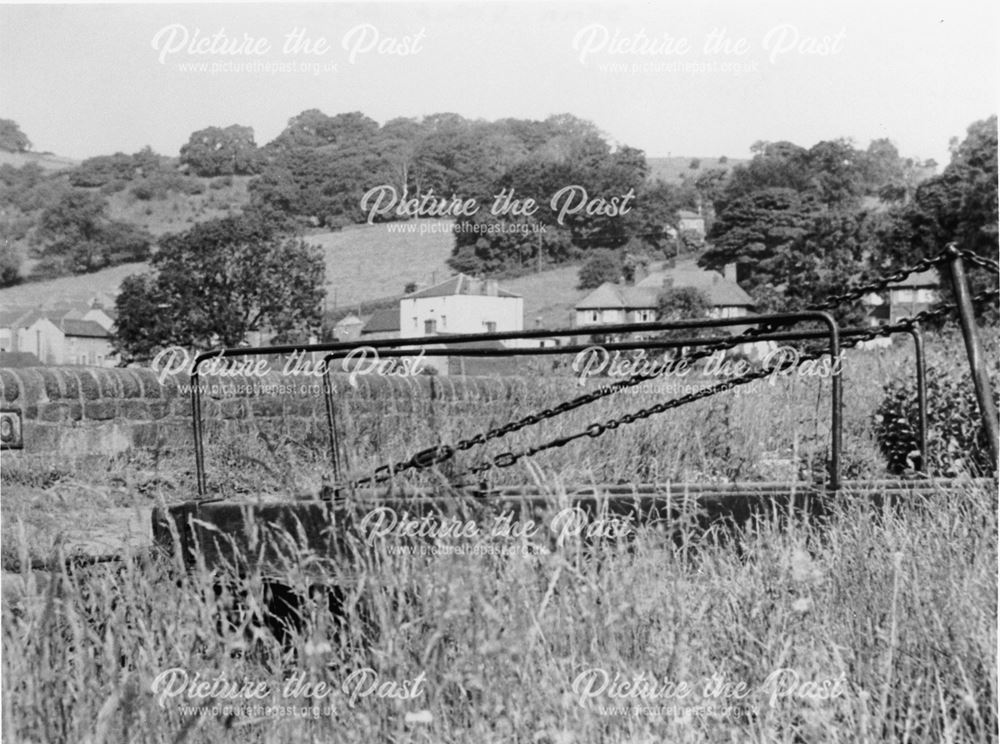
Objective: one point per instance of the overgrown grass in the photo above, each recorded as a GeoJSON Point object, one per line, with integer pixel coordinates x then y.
{"type": "Point", "coordinates": [885, 615]}
{"type": "Point", "coordinates": [900, 604]}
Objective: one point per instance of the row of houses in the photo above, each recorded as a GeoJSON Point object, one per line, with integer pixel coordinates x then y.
{"type": "Point", "coordinates": [68, 334]}
{"type": "Point", "coordinates": [466, 305]}
{"type": "Point", "coordinates": [59, 334]}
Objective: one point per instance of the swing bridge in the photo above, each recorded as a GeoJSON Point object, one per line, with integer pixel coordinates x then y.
{"type": "Point", "coordinates": [212, 530]}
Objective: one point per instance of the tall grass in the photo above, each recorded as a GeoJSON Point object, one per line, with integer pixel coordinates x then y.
{"type": "Point", "coordinates": [899, 602]}
{"type": "Point", "coordinates": [885, 614]}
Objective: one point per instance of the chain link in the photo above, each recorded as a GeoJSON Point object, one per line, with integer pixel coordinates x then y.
{"type": "Point", "coordinates": [442, 453]}
{"type": "Point", "coordinates": [980, 261]}
{"type": "Point", "coordinates": [506, 459]}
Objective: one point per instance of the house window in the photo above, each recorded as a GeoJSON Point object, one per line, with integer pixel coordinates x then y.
{"type": "Point", "coordinates": [491, 326]}
{"type": "Point", "coordinates": [444, 322]}
{"type": "Point", "coordinates": [430, 327]}
{"type": "Point", "coordinates": [415, 324]}
{"type": "Point", "coordinates": [593, 317]}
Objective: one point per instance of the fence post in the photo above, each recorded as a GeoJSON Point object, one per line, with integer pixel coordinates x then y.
{"type": "Point", "coordinates": [974, 350]}
{"type": "Point", "coordinates": [918, 351]}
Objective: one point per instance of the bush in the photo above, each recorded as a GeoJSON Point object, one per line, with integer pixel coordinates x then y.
{"type": "Point", "coordinates": [604, 265]}
{"type": "Point", "coordinates": [113, 187]}
{"type": "Point", "coordinates": [158, 185]}
{"type": "Point", "coordinates": [956, 440]}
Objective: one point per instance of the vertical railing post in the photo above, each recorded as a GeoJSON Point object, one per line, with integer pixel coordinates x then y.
{"type": "Point", "coordinates": [918, 349]}
{"type": "Point", "coordinates": [836, 400]}
{"type": "Point", "coordinates": [974, 350]}
{"type": "Point", "coordinates": [331, 418]}
{"type": "Point", "coordinates": [199, 455]}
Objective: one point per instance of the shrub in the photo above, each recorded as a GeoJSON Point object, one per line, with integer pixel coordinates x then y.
{"type": "Point", "coordinates": [113, 187]}
{"type": "Point", "coordinates": [956, 440]}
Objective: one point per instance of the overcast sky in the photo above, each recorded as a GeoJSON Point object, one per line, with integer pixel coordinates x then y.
{"type": "Point", "coordinates": [83, 80]}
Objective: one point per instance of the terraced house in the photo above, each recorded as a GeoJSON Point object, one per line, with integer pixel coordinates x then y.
{"type": "Point", "coordinates": [63, 334]}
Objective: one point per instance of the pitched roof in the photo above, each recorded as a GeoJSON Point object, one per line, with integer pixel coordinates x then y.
{"type": "Point", "coordinates": [385, 320]}
{"type": "Point", "coordinates": [83, 328]}
{"type": "Point", "coordinates": [929, 278]}
{"type": "Point", "coordinates": [721, 292]}
{"type": "Point", "coordinates": [460, 284]}
{"type": "Point", "coordinates": [610, 295]}
{"type": "Point", "coordinates": [349, 319]}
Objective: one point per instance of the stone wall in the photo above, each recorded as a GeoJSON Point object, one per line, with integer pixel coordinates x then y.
{"type": "Point", "coordinates": [79, 411]}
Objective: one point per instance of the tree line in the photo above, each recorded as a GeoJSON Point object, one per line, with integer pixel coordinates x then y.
{"type": "Point", "coordinates": [798, 222]}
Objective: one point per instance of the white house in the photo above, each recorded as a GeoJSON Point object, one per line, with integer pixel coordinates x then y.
{"type": "Point", "coordinates": [459, 305]}
{"type": "Point", "coordinates": [68, 334]}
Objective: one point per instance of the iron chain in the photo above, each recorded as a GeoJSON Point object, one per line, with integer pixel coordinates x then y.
{"type": "Point", "coordinates": [442, 453]}
{"type": "Point", "coordinates": [506, 459]}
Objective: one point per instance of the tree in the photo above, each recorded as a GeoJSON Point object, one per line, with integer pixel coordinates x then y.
{"type": "Point", "coordinates": [12, 139]}
{"type": "Point", "coordinates": [681, 303]}
{"type": "Point", "coordinates": [218, 282]}
{"type": "Point", "coordinates": [603, 266]}
{"type": "Point", "coordinates": [76, 236]}
{"type": "Point", "coordinates": [313, 128]}
{"type": "Point", "coordinates": [761, 230]}
{"type": "Point", "coordinates": [118, 168]}
{"type": "Point", "coordinates": [958, 206]}
{"type": "Point", "coordinates": [656, 206]}
{"type": "Point", "coordinates": [214, 151]}
{"type": "Point", "coordinates": [10, 265]}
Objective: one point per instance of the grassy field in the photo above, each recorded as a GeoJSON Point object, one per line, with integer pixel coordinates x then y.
{"type": "Point", "coordinates": [362, 263]}
{"type": "Point", "coordinates": [675, 169]}
{"type": "Point", "coordinates": [877, 624]}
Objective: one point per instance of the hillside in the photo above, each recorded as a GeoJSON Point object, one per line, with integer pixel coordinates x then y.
{"type": "Point", "coordinates": [362, 263]}
{"type": "Point", "coordinates": [44, 160]}
{"type": "Point", "coordinates": [674, 169]}
{"type": "Point", "coordinates": [175, 211]}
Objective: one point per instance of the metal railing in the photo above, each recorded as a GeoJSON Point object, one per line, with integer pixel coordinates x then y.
{"type": "Point", "coordinates": [763, 330]}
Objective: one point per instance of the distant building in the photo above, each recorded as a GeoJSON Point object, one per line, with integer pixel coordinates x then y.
{"type": "Point", "coordinates": [382, 324]}
{"type": "Point", "coordinates": [348, 328]}
{"type": "Point", "coordinates": [913, 295]}
{"type": "Point", "coordinates": [61, 334]}
{"type": "Point", "coordinates": [687, 220]}
{"type": "Point", "coordinates": [613, 303]}
{"type": "Point", "coordinates": [460, 305]}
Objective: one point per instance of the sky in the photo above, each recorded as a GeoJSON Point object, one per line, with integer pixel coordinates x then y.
{"type": "Point", "coordinates": [692, 79]}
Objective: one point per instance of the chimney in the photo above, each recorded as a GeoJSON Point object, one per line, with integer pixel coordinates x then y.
{"type": "Point", "coordinates": [668, 281]}
{"type": "Point", "coordinates": [730, 272]}
{"type": "Point", "coordinates": [492, 290]}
